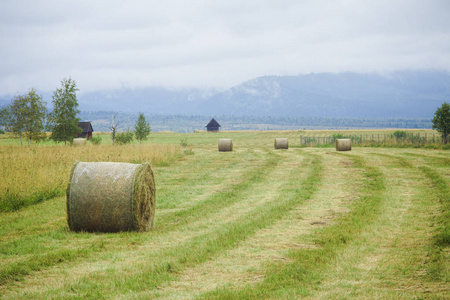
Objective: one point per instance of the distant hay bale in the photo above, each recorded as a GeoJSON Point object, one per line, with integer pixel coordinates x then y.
{"type": "Point", "coordinates": [225, 145]}
{"type": "Point", "coordinates": [79, 142]}
{"type": "Point", "coordinates": [343, 145]}
{"type": "Point", "coordinates": [110, 197]}
{"type": "Point", "coordinates": [281, 143]}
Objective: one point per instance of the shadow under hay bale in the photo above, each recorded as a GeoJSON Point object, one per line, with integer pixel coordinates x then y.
{"type": "Point", "coordinates": [110, 197]}
{"type": "Point", "coordinates": [343, 145]}
{"type": "Point", "coordinates": [79, 142]}
{"type": "Point", "coordinates": [225, 145]}
{"type": "Point", "coordinates": [281, 143]}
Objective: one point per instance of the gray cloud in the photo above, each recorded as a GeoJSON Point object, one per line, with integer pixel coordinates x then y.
{"type": "Point", "coordinates": [109, 44]}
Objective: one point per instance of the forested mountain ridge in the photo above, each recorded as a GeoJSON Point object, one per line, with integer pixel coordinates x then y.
{"type": "Point", "coordinates": [407, 94]}
{"type": "Point", "coordinates": [400, 94]}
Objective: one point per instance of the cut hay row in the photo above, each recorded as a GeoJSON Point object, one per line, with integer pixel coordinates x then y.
{"type": "Point", "coordinates": [214, 240]}
{"type": "Point", "coordinates": [222, 198]}
{"type": "Point", "coordinates": [246, 263]}
{"type": "Point", "coordinates": [141, 265]}
{"type": "Point", "coordinates": [305, 265]}
{"type": "Point", "coordinates": [110, 197]}
{"type": "Point", "coordinates": [253, 170]}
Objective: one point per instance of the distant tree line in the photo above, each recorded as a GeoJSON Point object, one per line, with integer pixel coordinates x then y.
{"type": "Point", "coordinates": [191, 123]}
{"type": "Point", "coordinates": [27, 118]}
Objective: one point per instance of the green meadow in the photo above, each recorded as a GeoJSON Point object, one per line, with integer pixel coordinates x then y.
{"type": "Point", "coordinates": [254, 223]}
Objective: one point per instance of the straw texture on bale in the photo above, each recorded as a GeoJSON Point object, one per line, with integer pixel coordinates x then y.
{"type": "Point", "coordinates": [225, 145]}
{"type": "Point", "coordinates": [110, 197]}
{"type": "Point", "coordinates": [343, 145]}
{"type": "Point", "coordinates": [281, 143]}
{"type": "Point", "coordinates": [79, 142]}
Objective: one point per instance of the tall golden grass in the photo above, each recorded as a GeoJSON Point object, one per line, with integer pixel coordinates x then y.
{"type": "Point", "coordinates": [40, 172]}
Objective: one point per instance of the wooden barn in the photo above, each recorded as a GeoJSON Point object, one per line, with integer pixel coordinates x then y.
{"type": "Point", "coordinates": [212, 125]}
{"type": "Point", "coordinates": [87, 130]}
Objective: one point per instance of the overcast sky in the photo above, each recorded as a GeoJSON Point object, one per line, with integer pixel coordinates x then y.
{"type": "Point", "coordinates": [112, 44]}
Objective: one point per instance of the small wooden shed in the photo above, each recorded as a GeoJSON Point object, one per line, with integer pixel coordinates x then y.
{"type": "Point", "coordinates": [87, 130]}
{"type": "Point", "coordinates": [212, 125]}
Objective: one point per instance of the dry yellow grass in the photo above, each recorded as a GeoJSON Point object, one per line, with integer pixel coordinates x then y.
{"type": "Point", "coordinates": [26, 171]}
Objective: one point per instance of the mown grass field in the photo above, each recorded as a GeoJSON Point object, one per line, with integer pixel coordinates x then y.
{"type": "Point", "coordinates": [255, 223]}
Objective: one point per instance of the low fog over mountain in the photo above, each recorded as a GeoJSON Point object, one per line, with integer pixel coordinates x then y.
{"type": "Point", "coordinates": [400, 94]}
{"type": "Point", "coordinates": [409, 94]}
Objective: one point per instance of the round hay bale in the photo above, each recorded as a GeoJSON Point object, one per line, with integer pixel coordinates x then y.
{"type": "Point", "coordinates": [281, 143]}
{"type": "Point", "coordinates": [225, 145]}
{"type": "Point", "coordinates": [110, 197]}
{"type": "Point", "coordinates": [79, 142]}
{"type": "Point", "coordinates": [343, 145]}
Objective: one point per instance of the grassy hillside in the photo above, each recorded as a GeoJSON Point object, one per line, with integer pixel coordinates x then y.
{"type": "Point", "coordinates": [252, 223]}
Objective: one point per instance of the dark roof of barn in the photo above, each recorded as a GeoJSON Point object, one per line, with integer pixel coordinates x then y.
{"type": "Point", "coordinates": [86, 126]}
{"type": "Point", "coordinates": [213, 123]}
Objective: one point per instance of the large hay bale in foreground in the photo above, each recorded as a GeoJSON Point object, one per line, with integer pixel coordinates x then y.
{"type": "Point", "coordinates": [79, 142]}
{"type": "Point", "coordinates": [343, 145]}
{"type": "Point", "coordinates": [110, 197]}
{"type": "Point", "coordinates": [225, 145]}
{"type": "Point", "coordinates": [281, 143]}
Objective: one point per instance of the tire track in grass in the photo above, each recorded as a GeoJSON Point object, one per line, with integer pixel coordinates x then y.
{"type": "Point", "coordinates": [164, 266]}
{"type": "Point", "coordinates": [308, 267]}
{"type": "Point", "coordinates": [35, 262]}
{"type": "Point", "coordinates": [246, 264]}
